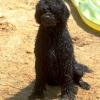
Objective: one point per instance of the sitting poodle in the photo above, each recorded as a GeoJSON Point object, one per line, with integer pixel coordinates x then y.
{"type": "Point", "coordinates": [55, 62]}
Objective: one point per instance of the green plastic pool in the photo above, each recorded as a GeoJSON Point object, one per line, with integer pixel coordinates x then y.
{"type": "Point", "coordinates": [89, 11]}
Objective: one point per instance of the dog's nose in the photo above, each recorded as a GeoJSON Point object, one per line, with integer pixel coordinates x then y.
{"type": "Point", "coordinates": [47, 16]}
{"type": "Point", "coordinates": [48, 19]}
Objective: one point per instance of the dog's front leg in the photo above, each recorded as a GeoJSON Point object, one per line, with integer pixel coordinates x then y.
{"type": "Point", "coordinates": [68, 89]}
{"type": "Point", "coordinates": [39, 86]}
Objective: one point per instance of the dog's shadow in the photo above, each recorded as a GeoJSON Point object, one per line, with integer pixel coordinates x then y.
{"type": "Point", "coordinates": [51, 92]}
{"type": "Point", "coordinates": [79, 21]}
{"type": "Point", "coordinates": [22, 94]}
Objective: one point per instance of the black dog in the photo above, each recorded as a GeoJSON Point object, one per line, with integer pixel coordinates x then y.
{"type": "Point", "coordinates": [55, 62]}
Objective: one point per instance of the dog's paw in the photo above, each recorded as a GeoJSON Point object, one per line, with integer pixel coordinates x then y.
{"type": "Point", "coordinates": [71, 90]}
{"type": "Point", "coordinates": [69, 96]}
{"type": "Point", "coordinates": [36, 97]}
{"type": "Point", "coordinates": [84, 85]}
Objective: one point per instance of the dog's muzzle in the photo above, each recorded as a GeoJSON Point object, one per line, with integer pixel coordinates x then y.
{"type": "Point", "coordinates": [48, 19]}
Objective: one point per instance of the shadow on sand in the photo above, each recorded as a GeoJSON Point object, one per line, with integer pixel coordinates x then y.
{"type": "Point", "coordinates": [52, 92]}
{"type": "Point", "coordinates": [23, 94]}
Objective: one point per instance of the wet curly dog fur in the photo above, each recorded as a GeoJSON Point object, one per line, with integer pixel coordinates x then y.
{"type": "Point", "coordinates": [55, 62]}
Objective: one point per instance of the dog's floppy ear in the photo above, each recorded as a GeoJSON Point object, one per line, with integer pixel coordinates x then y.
{"type": "Point", "coordinates": [38, 14]}
{"type": "Point", "coordinates": [65, 14]}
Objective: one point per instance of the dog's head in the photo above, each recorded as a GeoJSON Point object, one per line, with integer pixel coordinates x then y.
{"type": "Point", "coordinates": [51, 12]}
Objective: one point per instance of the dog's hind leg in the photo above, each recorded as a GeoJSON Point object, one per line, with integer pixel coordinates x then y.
{"type": "Point", "coordinates": [77, 77]}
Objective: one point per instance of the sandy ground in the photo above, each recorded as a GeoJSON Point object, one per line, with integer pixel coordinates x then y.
{"type": "Point", "coordinates": [17, 37]}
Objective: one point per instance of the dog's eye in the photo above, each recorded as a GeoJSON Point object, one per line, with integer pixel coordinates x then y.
{"type": "Point", "coordinates": [44, 9]}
